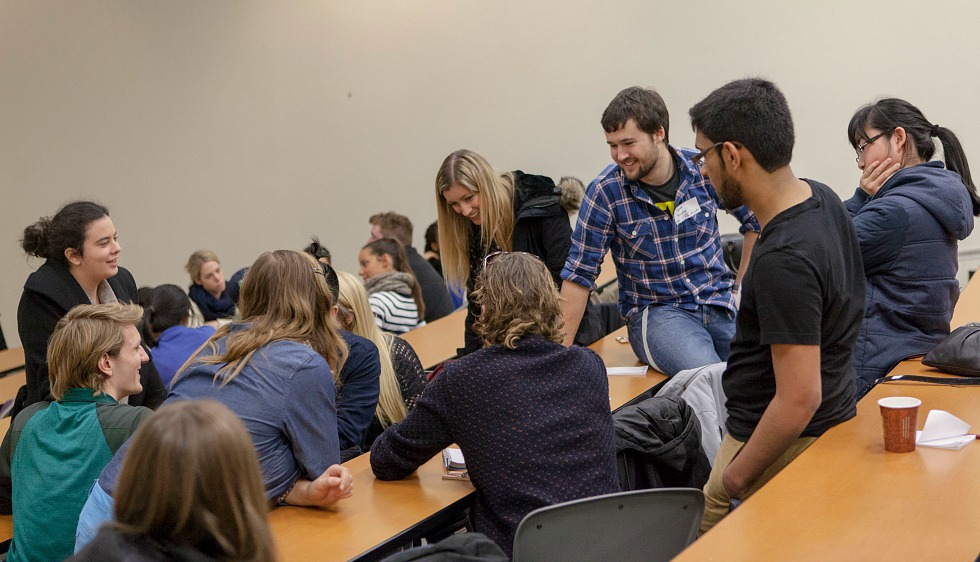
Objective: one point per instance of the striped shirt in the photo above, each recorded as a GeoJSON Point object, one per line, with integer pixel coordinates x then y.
{"type": "Point", "coordinates": [394, 312]}
{"type": "Point", "coordinates": [660, 259]}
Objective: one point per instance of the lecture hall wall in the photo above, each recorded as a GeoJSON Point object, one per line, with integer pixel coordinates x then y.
{"type": "Point", "coordinates": [245, 126]}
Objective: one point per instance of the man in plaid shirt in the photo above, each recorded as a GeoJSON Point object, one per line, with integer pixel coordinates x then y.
{"type": "Point", "coordinates": [657, 214]}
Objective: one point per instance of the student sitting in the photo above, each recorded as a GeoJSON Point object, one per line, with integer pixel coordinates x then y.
{"type": "Point", "coordinates": [208, 288]}
{"type": "Point", "coordinates": [187, 494]}
{"type": "Point", "coordinates": [402, 377]}
{"type": "Point", "coordinates": [165, 321]}
{"type": "Point", "coordinates": [395, 297]}
{"type": "Point", "coordinates": [530, 415]}
{"type": "Point", "coordinates": [275, 370]}
{"type": "Point", "coordinates": [53, 451]}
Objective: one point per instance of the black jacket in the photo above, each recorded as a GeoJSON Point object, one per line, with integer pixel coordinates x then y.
{"type": "Point", "coordinates": [49, 293]}
{"type": "Point", "coordinates": [110, 545]}
{"type": "Point", "coordinates": [435, 295]}
{"type": "Point", "coordinates": [658, 445]}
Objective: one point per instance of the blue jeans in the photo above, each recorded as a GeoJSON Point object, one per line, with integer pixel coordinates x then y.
{"type": "Point", "coordinates": [97, 510]}
{"type": "Point", "coordinates": [672, 339]}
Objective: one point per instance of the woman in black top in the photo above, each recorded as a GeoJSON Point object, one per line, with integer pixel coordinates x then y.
{"type": "Point", "coordinates": [81, 251]}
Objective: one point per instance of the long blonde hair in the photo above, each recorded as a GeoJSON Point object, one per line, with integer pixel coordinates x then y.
{"type": "Point", "coordinates": [472, 171]}
{"type": "Point", "coordinates": [284, 297]}
{"type": "Point", "coordinates": [357, 316]}
{"type": "Point", "coordinates": [183, 486]}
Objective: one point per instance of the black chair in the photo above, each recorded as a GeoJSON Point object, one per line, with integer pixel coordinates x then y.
{"type": "Point", "coordinates": [731, 247]}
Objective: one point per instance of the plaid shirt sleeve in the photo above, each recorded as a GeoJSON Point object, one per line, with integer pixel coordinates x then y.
{"type": "Point", "coordinates": [591, 238]}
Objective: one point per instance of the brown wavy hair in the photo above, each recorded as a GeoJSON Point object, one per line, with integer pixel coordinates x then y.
{"type": "Point", "coordinates": [284, 297]}
{"type": "Point", "coordinates": [519, 299]}
{"type": "Point", "coordinates": [186, 487]}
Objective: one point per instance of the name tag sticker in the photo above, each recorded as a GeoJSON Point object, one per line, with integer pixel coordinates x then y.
{"type": "Point", "coordinates": [686, 210]}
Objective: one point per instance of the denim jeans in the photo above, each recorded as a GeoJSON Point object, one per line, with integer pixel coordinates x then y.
{"type": "Point", "coordinates": [672, 339]}
{"type": "Point", "coordinates": [97, 510]}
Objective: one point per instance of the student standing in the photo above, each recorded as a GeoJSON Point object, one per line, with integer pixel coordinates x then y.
{"type": "Point", "coordinates": [790, 375]}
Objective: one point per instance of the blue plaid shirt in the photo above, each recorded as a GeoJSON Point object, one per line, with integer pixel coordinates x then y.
{"type": "Point", "coordinates": [657, 260]}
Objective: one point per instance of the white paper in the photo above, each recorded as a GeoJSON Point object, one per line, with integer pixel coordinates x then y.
{"type": "Point", "coordinates": [943, 430]}
{"type": "Point", "coordinates": [455, 456]}
{"type": "Point", "coordinates": [641, 370]}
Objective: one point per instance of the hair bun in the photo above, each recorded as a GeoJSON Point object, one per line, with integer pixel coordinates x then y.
{"type": "Point", "coordinates": [35, 241]}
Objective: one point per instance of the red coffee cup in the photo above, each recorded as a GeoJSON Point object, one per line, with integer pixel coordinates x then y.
{"type": "Point", "coordinates": [898, 419]}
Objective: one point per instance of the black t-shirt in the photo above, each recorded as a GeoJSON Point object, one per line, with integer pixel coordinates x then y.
{"type": "Point", "coordinates": [804, 285]}
{"type": "Point", "coordinates": [663, 195]}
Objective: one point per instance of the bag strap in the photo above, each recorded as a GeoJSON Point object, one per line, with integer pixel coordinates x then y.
{"type": "Point", "coordinates": [966, 381]}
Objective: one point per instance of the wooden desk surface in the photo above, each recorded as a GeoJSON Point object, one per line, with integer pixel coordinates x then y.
{"type": "Point", "coordinates": [380, 512]}
{"type": "Point", "coordinates": [846, 498]}
{"type": "Point", "coordinates": [11, 359]}
{"type": "Point", "coordinates": [438, 340]}
{"type": "Point", "coordinates": [11, 383]}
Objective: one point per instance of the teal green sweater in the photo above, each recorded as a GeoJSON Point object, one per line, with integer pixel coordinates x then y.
{"type": "Point", "coordinates": [49, 459]}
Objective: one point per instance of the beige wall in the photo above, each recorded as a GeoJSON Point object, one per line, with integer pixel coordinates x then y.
{"type": "Point", "coordinates": [247, 126]}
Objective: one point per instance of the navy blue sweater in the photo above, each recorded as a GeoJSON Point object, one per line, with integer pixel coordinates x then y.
{"type": "Point", "coordinates": [533, 424]}
{"type": "Point", "coordinates": [908, 234]}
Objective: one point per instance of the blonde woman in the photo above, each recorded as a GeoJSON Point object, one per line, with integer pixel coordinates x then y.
{"type": "Point", "coordinates": [402, 376]}
{"type": "Point", "coordinates": [208, 289]}
{"type": "Point", "coordinates": [531, 416]}
{"type": "Point", "coordinates": [187, 494]}
{"type": "Point", "coordinates": [482, 211]}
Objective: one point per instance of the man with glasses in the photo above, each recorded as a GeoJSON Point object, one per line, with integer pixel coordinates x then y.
{"type": "Point", "coordinates": [790, 376]}
{"type": "Point", "coordinates": [657, 213]}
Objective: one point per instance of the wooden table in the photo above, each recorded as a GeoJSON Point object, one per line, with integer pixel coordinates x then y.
{"type": "Point", "coordinates": [846, 498]}
{"type": "Point", "coordinates": [382, 515]}
{"type": "Point", "coordinates": [11, 359]}
{"type": "Point", "coordinates": [438, 340]}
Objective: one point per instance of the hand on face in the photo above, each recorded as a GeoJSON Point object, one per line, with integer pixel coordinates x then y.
{"type": "Point", "coordinates": [876, 174]}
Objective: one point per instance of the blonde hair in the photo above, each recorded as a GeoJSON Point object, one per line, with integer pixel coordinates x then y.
{"type": "Point", "coordinates": [354, 302]}
{"type": "Point", "coordinates": [197, 260]}
{"type": "Point", "coordinates": [81, 338]}
{"type": "Point", "coordinates": [471, 171]}
{"type": "Point", "coordinates": [519, 298]}
{"type": "Point", "coordinates": [201, 489]}
{"type": "Point", "coordinates": [284, 297]}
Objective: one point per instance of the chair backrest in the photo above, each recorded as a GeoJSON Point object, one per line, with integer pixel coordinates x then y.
{"type": "Point", "coordinates": [731, 247]}
{"type": "Point", "coordinates": [642, 525]}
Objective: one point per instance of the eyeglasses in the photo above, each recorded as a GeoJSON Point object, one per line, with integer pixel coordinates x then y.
{"type": "Point", "coordinates": [698, 159]}
{"type": "Point", "coordinates": [859, 149]}
{"type": "Point", "coordinates": [494, 255]}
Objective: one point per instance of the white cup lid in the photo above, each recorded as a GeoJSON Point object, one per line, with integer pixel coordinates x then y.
{"type": "Point", "coordinates": [899, 402]}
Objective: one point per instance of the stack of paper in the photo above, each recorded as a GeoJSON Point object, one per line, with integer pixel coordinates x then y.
{"type": "Point", "coordinates": [944, 431]}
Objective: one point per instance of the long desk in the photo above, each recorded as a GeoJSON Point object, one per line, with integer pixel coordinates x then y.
{"type": "Point", "coordinates": [11, 359]}
{"type": "Point", "coordinates": [845, 498]}
{"type": "Point", "coordinates": [381, 516]}
{"type": "Point", "coordinates": [438, 340]}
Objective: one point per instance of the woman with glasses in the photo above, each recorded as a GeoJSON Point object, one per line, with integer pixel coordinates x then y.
{"type": "Point", "coordinates": [915, 201]}
{"type": "Point", "coordinates": [482, 211]}
{"type": "Point", "coordinates": [530, 415]}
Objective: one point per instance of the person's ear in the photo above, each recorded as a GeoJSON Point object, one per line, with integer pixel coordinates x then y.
{"type": "Point", "coordinates": [73, 256]}
{"type": "Point", "coordinates": [105, 365]}
{"type": "Point", "coordinates": [732, 155]}
{"type": "Point", "coordinates": [385, 260]}
{"type": "Point", "coordinates": [898, 139]}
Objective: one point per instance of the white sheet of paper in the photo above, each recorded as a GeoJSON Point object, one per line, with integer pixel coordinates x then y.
{"type": "Point", "coordinates": [944, 431]}
{"type": "Point", "coordinates": [686, 210]}
{"type": "Point", "coordinates": [455, 455]}
{"type": "Point", "coordinates": [641, 370]}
